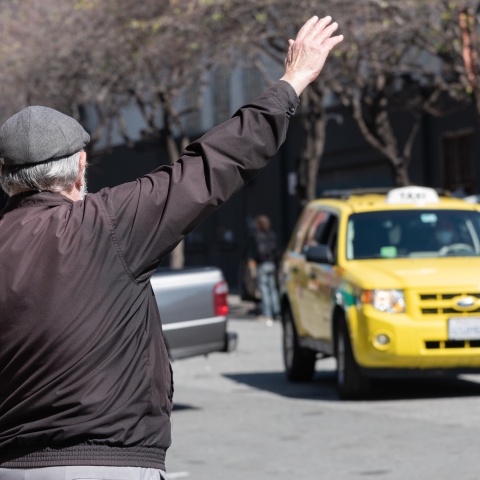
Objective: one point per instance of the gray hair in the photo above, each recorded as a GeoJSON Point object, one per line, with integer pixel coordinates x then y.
{"type": "Point", "coordinates": [55, 176]}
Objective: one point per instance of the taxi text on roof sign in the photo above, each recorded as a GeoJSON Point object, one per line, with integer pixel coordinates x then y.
{"type": "Point", "coordinates": [412, 195]}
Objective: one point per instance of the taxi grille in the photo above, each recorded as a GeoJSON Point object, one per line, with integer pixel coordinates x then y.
{"type": "Point", "coordinates": [436, 311]}
{"type": "Point", "coordinates": [446, 296]}
{"type": "Point", "coordinates": [440, 344]}
{"type": "Point", "coordinates": [440, 303]}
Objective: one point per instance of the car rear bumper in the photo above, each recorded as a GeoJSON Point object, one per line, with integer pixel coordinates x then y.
{"type": "Point", "coordinates": [199, 337]}
{"type": "Point", "coordinates": [231, 341]}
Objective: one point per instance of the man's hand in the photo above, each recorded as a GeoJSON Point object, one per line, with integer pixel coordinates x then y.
{"type": "Point", "coordinates": [308, 52]}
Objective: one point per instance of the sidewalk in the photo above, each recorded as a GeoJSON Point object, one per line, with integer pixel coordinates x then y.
{"type": "Point", "coordinates": [240, 309]}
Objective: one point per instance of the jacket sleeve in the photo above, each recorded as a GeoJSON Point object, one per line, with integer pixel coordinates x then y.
{"type": "Point", "coordinates": [150, 216]}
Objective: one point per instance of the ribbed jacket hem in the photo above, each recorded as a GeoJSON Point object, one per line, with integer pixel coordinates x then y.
{"type": "Point", "coordinates": [101, 455]}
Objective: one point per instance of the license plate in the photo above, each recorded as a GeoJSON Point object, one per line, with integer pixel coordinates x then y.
{"type": "Point", "coordinates": [464, 329]}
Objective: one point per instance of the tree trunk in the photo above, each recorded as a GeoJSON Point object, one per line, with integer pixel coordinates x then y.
{"type": "Point", "coordinates": [468, 27]}
{"type": "Point", "coordinates": [379, 134]}
{"type": "Point", "coordinates": [177, 256]}
{"type": "Point", "coordinates": [314, 122]}
{"type": "Point", "coordinates": [402, 178]}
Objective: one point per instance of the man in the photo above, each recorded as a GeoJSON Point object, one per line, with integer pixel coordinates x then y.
{"type": "Point", "coordinates": [85, 381]}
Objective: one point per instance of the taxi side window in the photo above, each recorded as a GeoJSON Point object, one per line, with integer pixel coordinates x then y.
{"type": "Point", "coordinates": [331, 236]}
{"type": "Point", "coordinates": [317, 229]}
{"type": "Point", "coordinates": [302, 229]}
{"type": "Point", "coordinates": [323, 231]}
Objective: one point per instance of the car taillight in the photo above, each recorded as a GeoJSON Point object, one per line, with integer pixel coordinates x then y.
{"type": "Point", "coordinates": [220, 294]}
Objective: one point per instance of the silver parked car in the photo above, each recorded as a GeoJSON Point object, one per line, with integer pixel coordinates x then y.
{"type": "Point", "coordinates": [194, 311]}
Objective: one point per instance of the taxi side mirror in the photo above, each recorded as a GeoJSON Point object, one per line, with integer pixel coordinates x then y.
{"type": "Point", "coordinates": [319, 254]}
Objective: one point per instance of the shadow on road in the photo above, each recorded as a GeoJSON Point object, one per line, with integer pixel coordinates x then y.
{"type": "Point", "coordinates": [182, 406]}
{"type": "Point", "coordinates": [323, 387]}
{"type": "Point", "coordinates": [443, 387]}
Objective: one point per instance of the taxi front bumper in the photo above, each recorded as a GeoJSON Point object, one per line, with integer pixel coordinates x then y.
{"type": "Point", "coordinates": [416, 344]}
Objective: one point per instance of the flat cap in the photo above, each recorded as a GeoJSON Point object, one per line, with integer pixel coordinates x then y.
{"type": "Point", "coordinates": [38, 134]}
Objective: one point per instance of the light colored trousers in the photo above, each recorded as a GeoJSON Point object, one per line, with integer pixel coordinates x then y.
{"type": "Point", "coordinates": [268, 289]}
{"type": "Point", "coordinates": [82, 473]}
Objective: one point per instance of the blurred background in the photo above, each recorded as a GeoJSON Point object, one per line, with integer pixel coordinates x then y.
{"type": "Point", "coordinates": [398, 103]}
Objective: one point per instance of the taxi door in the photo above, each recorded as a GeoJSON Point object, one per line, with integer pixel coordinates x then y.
{"type": "Point", "coordinates": [321, 278]}
{"type": "Point", "coordinates": [294, 268]}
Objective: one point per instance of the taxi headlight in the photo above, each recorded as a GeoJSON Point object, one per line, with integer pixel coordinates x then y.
{"type": "Point", "coordinates": [390, 301]}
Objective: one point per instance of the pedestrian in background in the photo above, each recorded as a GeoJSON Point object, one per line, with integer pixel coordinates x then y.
{"type": "Point", "coordinates": [262, 257]}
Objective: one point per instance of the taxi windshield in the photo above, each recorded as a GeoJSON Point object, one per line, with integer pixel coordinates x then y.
{"type": "Point", "coordinates": [413, 233]}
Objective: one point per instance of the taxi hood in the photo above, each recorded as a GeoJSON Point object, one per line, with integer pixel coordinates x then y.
{"type": "Point", "coordinates": [405, 273]}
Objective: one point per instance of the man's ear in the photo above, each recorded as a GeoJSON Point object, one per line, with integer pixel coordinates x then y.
{"type": "Point", "coordinates": [83, 164]}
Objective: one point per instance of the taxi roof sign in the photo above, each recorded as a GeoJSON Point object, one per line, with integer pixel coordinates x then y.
{"type": "Point", "coordinates": [412, 195]}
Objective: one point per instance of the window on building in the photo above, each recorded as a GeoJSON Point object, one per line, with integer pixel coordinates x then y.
{"type": "Point", "coordinates": [221, 96]}
{"type": "Point", "coordinates": [459, 162]}
{"type": "Point", "coordinates": [254, 83]}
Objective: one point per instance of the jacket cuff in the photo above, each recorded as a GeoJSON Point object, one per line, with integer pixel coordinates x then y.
{"type": "Point", "coordinates": [288, 95]}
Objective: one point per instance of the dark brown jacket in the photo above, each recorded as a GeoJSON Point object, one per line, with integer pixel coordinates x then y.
{"type": "Point", "coordinates": [85, 377]}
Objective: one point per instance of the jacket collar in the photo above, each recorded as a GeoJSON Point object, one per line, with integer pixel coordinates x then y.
{"type": "Point", "coordinates": [34, 199]}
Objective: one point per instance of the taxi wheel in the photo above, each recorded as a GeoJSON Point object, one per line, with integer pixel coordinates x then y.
{"type": "Point", "coordinates": [352, 384]}
{"type": "Point", "coordinates": [299, 362]}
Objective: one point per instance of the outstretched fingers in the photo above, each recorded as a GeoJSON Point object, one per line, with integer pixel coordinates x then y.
{"type": "Point", "coordinates": [327, 32]}
{"type": "Point", "coordinates": [320, 26]}
{"type": "Point", "coordinates": [307, 54]}
{"type": "Point", "coordinates": [333, 41]}
{"type": "Point", "coordinates": [307, 27]}
{"type": "Point", "coordinates": [316, 30]}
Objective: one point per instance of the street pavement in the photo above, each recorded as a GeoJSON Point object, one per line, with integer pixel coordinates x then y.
{"type": "Point", "coordinates": [236, 417]}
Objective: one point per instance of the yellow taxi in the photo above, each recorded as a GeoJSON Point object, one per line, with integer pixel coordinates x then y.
{"type": "Point", "coordinates": [388, 283]}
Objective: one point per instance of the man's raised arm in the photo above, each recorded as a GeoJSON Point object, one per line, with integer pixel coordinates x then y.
{"type": "Point", "coordinates": [151, 215]}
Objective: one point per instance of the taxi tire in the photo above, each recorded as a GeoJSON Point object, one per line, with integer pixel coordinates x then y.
{"type": "Point", "coordinates": [299, 362]}
{"type": "Point", "coordinates": [352, 384]}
